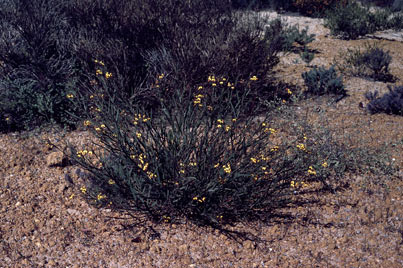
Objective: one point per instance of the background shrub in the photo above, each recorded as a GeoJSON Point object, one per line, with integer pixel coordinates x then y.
{"type": "Point", "coordinates": [320, 81]}
{"type": "Point", "coordinates": [372, 62]}
{"type": "Point", "coordinates": [389, 103]}
{"type": "Point", "coordinates": [38, 68]}
{"type": "Point", "coordinates": [355, 20]}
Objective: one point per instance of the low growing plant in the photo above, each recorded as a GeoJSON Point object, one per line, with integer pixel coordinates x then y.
{"type": "Point", "coordinates": [372, 62]}
{"type": "Point", "coordinates": [389, 103]}
{"type": "Point", "coordinates": [321, 81]}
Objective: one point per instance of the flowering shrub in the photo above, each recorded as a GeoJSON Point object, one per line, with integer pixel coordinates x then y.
{"type": "Point", "coordinates": [200, 157]}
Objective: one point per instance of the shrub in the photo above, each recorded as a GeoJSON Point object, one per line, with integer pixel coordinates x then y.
{"type": "Point", "coordinates": [355, 20]}
{"type": "Point", "coordinates": [320, 81]}
{"type": "Point", "coordinates": [316, 7]}
{"type": "Point", "coordinates": [372, 62]}
{"type": "Point", "coordinates": [37, 67]}
{"type": "Point", "coordinates": [199, 158]}
{"type": "Point", "coordinates": [389, 103]}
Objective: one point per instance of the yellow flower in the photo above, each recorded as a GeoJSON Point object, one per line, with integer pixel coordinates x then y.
{"type": "Point", "coordinates": [233, 119]}
{"type": "Point", "coordinates": [102, 126]}
{"type": "Point", "coordinates": [211, 78]}
{"type": "Point", "coordinates": [97, 129]}
{"type": "Point", "coordinates": [200, 88]}
{"type": "Point", "coordinates": [138, 134]}
{"type": "Point", "coordinates": [98, 72]}
{"type": "Point", "coordinates": [108, 75]}
{"type": "Point", "coordinates": [217, 165]}
{"type": "Point", "coordinates": [274, 149]}
{"type": "Point", "coordinates": [253, 78]}
{"type": "Point", "coordinates": [227, 168]}
{"type": "Point", "coordinates": [111, 182]}
{"type": "Point", "coordinates": [192, 164]}
{"type": "Point", "coordinates": [254, 160]}
{"type": "Point", "coordinates": [87, 123]}
{"type": "Point", "coordinates": [219, 126]}
{"type": "Point", "coordinates": [301, 146]}
{"type": "Point", "coordinates": [227, 128]}
{"type": "Point", "coordinates": [100, 197]}
{"type": "Point", "coordinates": [151, 175]}
{"type": "Point", "coordinates": [83, 189]}
{"type": "Point", "coordinates": [264, 124]}
{"type": "Point", "coordinates": [92, 96]}
{"type": "Point", "coordinates": [221, 82]}
{"type": "Point", "coordinates": [325, 165]}
{"type": "Point", "coordinates": [70, 96]}
{"type": "Point", "coordinates": [311, 171]}
{"type": "Point", "coordinates": [220, 121]}
{"type": "Point", "coordinates": [182, 171]}
{"type": "Point", "coordinates": [214, 84]}
{"type": "Point", "coordinates": [289, 91]}
{"type": "Point", "coordinates": [161, 76]}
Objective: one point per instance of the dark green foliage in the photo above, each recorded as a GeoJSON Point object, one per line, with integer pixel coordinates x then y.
{"type": "Point", "coordinates": [389, 103]}
{"type": "Point", "coordinates": [373, 62]}
{"type": "Point", "coordinates": [37, 66]}
{"type": "Point", "coordinates": [355, 20]}
{"type": "Point", "coordinates": [320, 81]}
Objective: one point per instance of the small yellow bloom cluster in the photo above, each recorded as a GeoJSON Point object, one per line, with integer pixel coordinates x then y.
{"type": "Point", "coordinates": [99, 62]}
{"type": "Point", "coordinates": [108, 75]}
{"type": "Point", "coordinates": [98, 129]}
{"type": "Point", "coordinates": [268, 129]}
{"type": "Point", "coordinates": [254, 78]}
{"type": "Point", "coordinates": [226, 127]}
{"type": "Point", "coordinates": [98, 72]}
{"type": "Point", "coordinates": [100, 196]}
{"type": "Point", "coordinates": [81, 153]}
{"type": "Point", "coordinates": [201, 200]}
{"type": "Point", "coordinates": [227, 168]}
{"type": "Point", "coordinates": [274, 149]}
{"type": "Point", "coordinates": [143, 165]}
{"type": "Point", "coordinates": [138, 135]}
{"type": "Point", "coordinates": [70, 96]}
{"type": "Point", "coordinates": [83, 190]}
{"type": "Point", "coordinates": [325, 165]}
{"type": "Point", "coordinates": [289, 91]}
{"type": "Point", "coordinates": [213, 80]}
{"type": "Point", "coordinates": [301, 146]}
{"type": "Point", "coordinates": [87, 123]}
{"type": "Point", "coordinates": [161, 76]}
{"type": "Point", "coordinates": [257, 159]}
{"type": "Point", "coordinates": [166, 218]}
{"type": "Point", "coordinates": [140, 118]}
{"type": "Point", "coordinates": [311, 171]}
{"type": "Point", "coordinates": [111, 182]}
{"type": "Point", "coordinates": [198, 99]}
{"type": "Point", "coordinates": [295, 184]}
